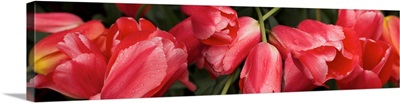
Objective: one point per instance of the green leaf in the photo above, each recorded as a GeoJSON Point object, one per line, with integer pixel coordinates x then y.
{"type": "Point", "coordinates": [244, 11]}
{"type": "Point", "coordinates": [220, 83]}
{"type": "Point", "coordinates": [271, 22]}
{"type": "Point", "coordinates": [331, 84]}
{"type": "Point", "coordinates": [331, 14]}
{"type": "Point", "coordinates": [163, 16]}
{"type": "Point", "coordinates": [291, 16]}
{"type": "Point", "coordinates": [205, 84]}
{"type": "Point", "coordinates": [98, 17]}
{"type": "Point", "coordinates": [112, 13]}
{"type": "Point", "coordinates": [35, 36]}
{"type": "Point", "coordinates": [174, 92]}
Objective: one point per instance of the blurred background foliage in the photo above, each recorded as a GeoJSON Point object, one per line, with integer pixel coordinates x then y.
{"type": "Point", "coordinates": [165, 17]}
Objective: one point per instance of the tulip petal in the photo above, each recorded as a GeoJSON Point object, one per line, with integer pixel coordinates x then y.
{"type": "Point", "coordinates": [75, 74]}
{"type": "Point", "coordinates": [324, 32]}
{"type": "Point", "coordinates": [365, 79]}
{"type": "Point", "coordinates": [295, 39]}
{"type": "Point", "coordinates": [126, 26]}
{"type": "Point", "coordinates": [369, 24]}
{"type": "Point", "coordinates": [48, 46]}
{"type": "Point", "coordinates": [183, 32]}
{"type": "Point", "coordinates": [282, 50]}
{"type": "Point", "coordinates": [377, 57]}
{"type": "Point", "coordinates": [375, 54]}
{"type": "Point", "coordinates": [75, 44]}
{"type": "Point", "coordinates": [262, 71]}
{"type": "Point", "coordinates": [55, 22]}
{"type": "Point", "coordinates": [145, 61]}
{"type": "Point", "coordinates": [204, 20]}
{"type": "Point", "coordinates": [146, 25]}
{"type": "Point", "coordinates": [316, 65]}
{"type": "Point", "coordinates": [295, 80]}
{"type": "Point", "coordinates": [341, 66]}
{"type": "Point", "coordinates": [177, 66]}
{"type": "Point", "coordinates": [346, 18]}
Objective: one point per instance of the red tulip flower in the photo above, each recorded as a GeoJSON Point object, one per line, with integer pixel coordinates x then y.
{"type": "Point", "coordinates": [373, 70]}
{"type": "Point", "coordinates": [323, 51]}
{"type": "Point", "coordinates": [144, 63]}
{"type": "Point", "coordinates": [213, 25]}
{"type": "Point", "coordinates": [366, 23]}
{"type": "Point", "coordinates": [45, 57]}
{"type": "Point", "coordinates": [262, 71]}
{"type": "Point", "coordinates": [222, 60]}
{"type": "Point", "coordinates": [154, 58]}
{"type": "Point", "coordinates": [81, 75]}
{"type": "Point", "coordinates": [390, 34]}
{"type": "Point", "coordinates": [54, 22]}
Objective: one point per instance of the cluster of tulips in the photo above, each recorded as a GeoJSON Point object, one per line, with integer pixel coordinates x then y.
{"type": "Point", "coordinates": [134, 58]}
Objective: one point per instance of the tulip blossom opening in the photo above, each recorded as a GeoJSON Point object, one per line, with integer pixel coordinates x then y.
{"type": "Point", "coordinates": [213, 25]}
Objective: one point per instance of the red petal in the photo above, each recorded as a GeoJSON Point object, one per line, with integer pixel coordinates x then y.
{"type": "Point", "coordinates": [184, 79]}
{"type": "Point", "coordinates": [324, 32]}
{"type": "Point", "coordinates": [350, 47]}
{"type": "Point", "coordinates": [375, 54]}
{"type": "Point", "coordinates": [366, 79]}
{"type": "Point", "coordinates": [204, 20]}
{"type": "Point", "coordinates": [55, 22]}
{"type": "Point", "coordinates": [369, 24]}
{"type": "Point", "coordinates": [262, 71]}
{"type": "Point", "coordinates": [386, 71]}
{"type": "Point", "coordinates": [282, 50]}
{"type": "Point", "coordinates": [183, 32]}
{"type": "Point", "coordinates": [341, 66]}
{"type": "Point", "coordinates": [48, 46]}
{"type": "Point", "coordinates": [126, 26]}
{"type": "Point", "coordinates": [136, 71]}
{"type": "Point", "coordinates": [314, 62]}
{"type": "Point", "coordinates": [346, 18]}
{"type": "Point", "coordinates": [125, 43]}
{"type": "Point", "coordinates": [295, 80]}
{"type": "Point", "coordinates": [295, 39]}
{"type": "Point", "coordinates": [76, 44]}
{"type": "Point", "coordinates": [146, 25]}
{"type": "Point", "coordinates": [177, 66]}
{"type": "Point", "coordinates": [75, 74]}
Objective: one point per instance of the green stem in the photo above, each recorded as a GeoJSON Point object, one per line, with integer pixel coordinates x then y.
{"type": "Point", "coordinates": [140, 11]}
{"type": "Point", "coordinates": [227, 84]}
{"type": "Point", "coordinates": [269, 13]}
{"type": "Point", "coordinates": [262, 27]}
{"type": "Point", "coordinates": [318, 14]}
